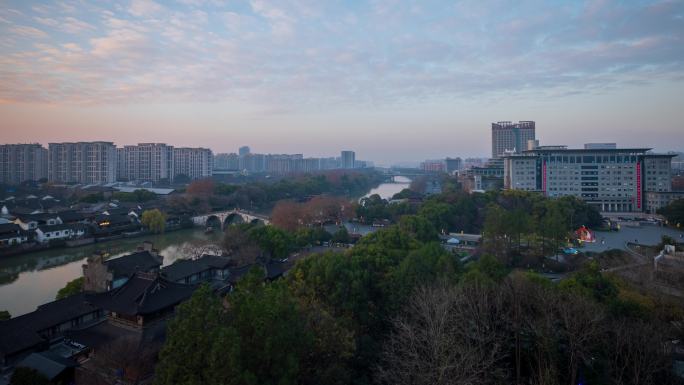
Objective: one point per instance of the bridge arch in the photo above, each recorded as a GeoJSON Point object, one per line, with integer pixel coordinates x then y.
{"type": "Point", "coordinates": [214, 222]}
{"type": "Point", "coordinates": [233, 219]}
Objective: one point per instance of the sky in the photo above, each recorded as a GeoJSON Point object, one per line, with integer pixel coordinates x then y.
{"type": "Point", "coordinates": [394, 80]}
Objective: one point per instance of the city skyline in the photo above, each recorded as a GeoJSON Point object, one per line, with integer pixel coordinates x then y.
{"type": "Point", "coordinates": [395, 81]}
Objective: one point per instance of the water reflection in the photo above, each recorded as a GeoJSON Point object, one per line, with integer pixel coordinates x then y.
{"type": "Point", "coordinates": [29, 280]}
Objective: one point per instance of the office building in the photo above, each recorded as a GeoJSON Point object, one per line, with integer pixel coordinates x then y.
{"type": "Point", "coordinates": [150, 162]}
{"type": "Point", "coordinates": [600, 146]}
{"type": "Point", "coordinates": [23, 162]}
{"type": "Point", "coordinates": [511, 137]}
{"type": "Point", "coordinates": [244, 150]}
{"type": "Point", "coordinates": [82, 162]}
{"type": "Point", "coordinates": [195, 163]}
{"type": "Point", "coordinates": [348, 159]}
{"type": "Point", "coordinates": [610, 179]}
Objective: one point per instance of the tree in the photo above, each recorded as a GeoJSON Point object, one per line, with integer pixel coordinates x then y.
{"type": "Point", "coordinates": [201, 188]}
{"type": "Point", "coordinates": [278, 243]}
{"type": "Point", "coordinates": [287, 215]}
{"type": "Point", "coordinates": [28, 376]}
{"type": "Point", "coordinates": [674, 212]}
{"type": "Point", "coordinates": [447, 335]}
{"type": "Point", "coordinates": [240, 246]}
{"type": "Point", "coordinates": [5, 315]}
{"type": "Point", "coordinates": [154, 220]}
{"type": "Point", "coordinates": [274, 338]}
{"type": "Point", "coordinates": [200, 347]}
{"type": "Point", "coordinates": [419, 227]}
{"type": "Point", "coordinates": [341, 235]}
{"type": "Point", "coordinates": [496, 237]}
{"type": "Point", "coordinates": [74, 286]}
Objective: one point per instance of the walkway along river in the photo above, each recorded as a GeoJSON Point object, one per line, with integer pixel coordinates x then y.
{"type": "Point", "coordinates": [29, 280]}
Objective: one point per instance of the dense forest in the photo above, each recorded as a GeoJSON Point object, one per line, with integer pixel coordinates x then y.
{"type": "Point", "coordinates": [397, 308]}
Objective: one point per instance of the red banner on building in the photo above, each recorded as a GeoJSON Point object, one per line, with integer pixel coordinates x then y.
{"type": "Point", "coordinates": [544, 177]}
{"type": "Point", "coordinates": [638, 184]}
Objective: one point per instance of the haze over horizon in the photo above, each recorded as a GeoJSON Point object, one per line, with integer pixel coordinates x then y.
{"type": "Point", "coordinates": [392, 80]}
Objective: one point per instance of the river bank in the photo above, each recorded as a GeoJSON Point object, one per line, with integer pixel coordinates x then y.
{"type": "Point", "coordinates": [31, 279]}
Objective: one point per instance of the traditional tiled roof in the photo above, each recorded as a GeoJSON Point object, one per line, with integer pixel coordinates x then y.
{"type": "Point", "coordinates": [48, 364]}
{"type": "Point", "coordinates": [188, 267]}
{"type": "Point", "coordinates": [143, 294]}
{"type": "Point", "coordinates": [9, 228]}
{"type": "Point", "coordinates": [66, 226]}
{"type": "Point", "coordinates": [127, 265]}
{"type": "Point", "coordinates": [21, 333]}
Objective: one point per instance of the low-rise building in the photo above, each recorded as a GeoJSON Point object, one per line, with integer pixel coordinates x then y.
{"type": "Point", "coordinates": [47, 233]}
{"type": "Point", "coordinates": [103, 274]}
{"type": "Point", "coordinates": [32, 332]}
{"type": "Point", "coordinates": [11, 234]}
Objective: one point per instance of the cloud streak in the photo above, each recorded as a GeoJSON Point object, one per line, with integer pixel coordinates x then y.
{"type": "Point", "coordinates": [307, 55]}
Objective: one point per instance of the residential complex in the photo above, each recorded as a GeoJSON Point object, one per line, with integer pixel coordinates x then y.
{"type": "Point", "coordinates": [194, 163]}
{"type": "Point", "coordinates": [612, 179]}
{"type": "Point", "coordinates": [146, 162]}
{"type": "Point", "coordinates": [82, 162]}
{"type": "Point", "coordinates": [348, 159]}
{"type": "Point", "coordinates": [22, 162]}
{"type": "Point", "coordinates": [246, 161]}
{"type": "Point", "coordinates": [511, 137]}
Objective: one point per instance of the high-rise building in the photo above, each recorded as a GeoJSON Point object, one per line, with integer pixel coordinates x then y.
{"type": "Point", "coordinates": [511, 137]}
{"type": "Point", "coordinates": [146, 162]}
{"type": "Point", "coordinates": [82, 162]}
{"type": "Point", "coordinates": [284, 163]}
{"type": "Point", "coordinates": [453, 164]}
{"type": "Point", "coordinates": [610, 179]}
{"type": "Point", "coordinates": [329, 163]}
{"type": "Point", "coordinates": [348, 159]}
{"type": "Point", "coordinates": [22, 162]}
{"type": "Point", "coordinates": [252, 163]}
{"type": "Point", "coordinates": [195, 163]}
{"type": "Point", "coordinates": [244, 150]}
{"type": "Point", "coordinates": [433, 166]}
{"type": "Point", "coordinates": [226, 161]}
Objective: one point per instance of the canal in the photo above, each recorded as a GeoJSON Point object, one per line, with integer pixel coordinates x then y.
{"type": "Point", "coordinates": [29, 280]}
{"type": "Point", "coordinates": [387, 190]}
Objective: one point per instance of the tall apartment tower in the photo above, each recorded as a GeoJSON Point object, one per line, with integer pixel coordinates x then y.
{"type": "Point", "coordinates": [22, 162]}
{"type": "Point", "coordinates": [348, 159]}
{"type": "Point", "coordinates": [511, 137]}
{"type": "Point", "coordinates": [82, 162]}
{"type": "Point", "coordinates": [146, 162]}
{"type": "Point", "coordinates": [196, 163]}
{"type": "Point", "coordinates": [244, 150]}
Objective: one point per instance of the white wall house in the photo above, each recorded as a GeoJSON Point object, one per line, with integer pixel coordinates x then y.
{"type": "Point", "coordinates": [47, 233]}
{"type": "Point", "coordinates": [11, 234]}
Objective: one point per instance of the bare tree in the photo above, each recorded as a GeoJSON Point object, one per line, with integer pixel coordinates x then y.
{"type": "Point", "coordinates": [581, 326]}
{"type": "Point", "coordinates": [637, 353]}
{"type": "Point", "coordinates": [122, 361]}
{"type": "Point", "coordinates": [447, 336]}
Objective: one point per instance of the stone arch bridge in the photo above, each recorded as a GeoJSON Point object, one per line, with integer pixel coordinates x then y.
{"type": "Point", "coordinates": [222, 219]}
